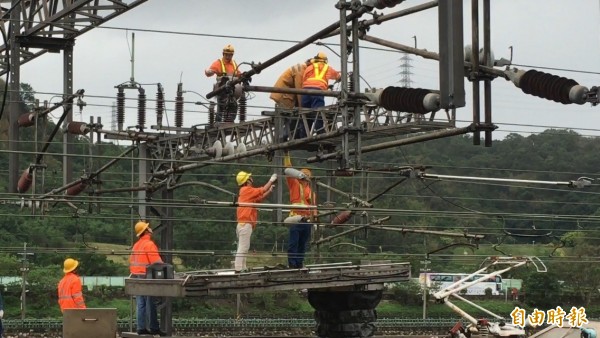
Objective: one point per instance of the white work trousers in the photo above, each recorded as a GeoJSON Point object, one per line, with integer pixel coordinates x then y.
{"type": "Point", "coordinates": [244, 232]}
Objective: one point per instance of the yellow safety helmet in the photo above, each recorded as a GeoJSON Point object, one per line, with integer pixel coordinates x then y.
{"type": "Point", "coordinates": [306, 172]}
{"type": "Point", "coordinates": [321, 56]}
{"type": "Point", "coordinates": [242, 177]}
{"type": "Point", "coordinates": [69, 265]}
{"type": "Point", "coordinates": [228, 49]}
{"type": "Point", "coordinates": [142, 226]}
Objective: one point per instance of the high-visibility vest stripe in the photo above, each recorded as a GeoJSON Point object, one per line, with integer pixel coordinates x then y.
{"type": "Point", "coordinates": [223, 70]}
{"type": "Point", "coordinates": [319, 76]}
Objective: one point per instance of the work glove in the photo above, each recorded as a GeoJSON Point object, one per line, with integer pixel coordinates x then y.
{"type": "Point", "coordinates": [293, 219]}
{"type": "Point", "coordinates": [1, 314]}
{"type": "Point", "coordinates": [273, 178]}
{"type": "Point", "coordinates": [302, 176]}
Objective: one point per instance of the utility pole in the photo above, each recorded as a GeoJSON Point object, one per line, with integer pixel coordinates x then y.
{"type": "Point", "coordinates": [424, 273]}
{"type": "Point", "coordinates": [24, 270]}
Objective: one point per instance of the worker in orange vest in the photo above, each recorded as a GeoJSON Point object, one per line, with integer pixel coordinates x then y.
{"type": "Point", "coordinates": [70, 295]}
{"type": "Point", "coordinates": [225, 68]}
{"type": "Point", "coordinates": [144, 253]}
{"type": "Point", "coordinates": [247, 216]}
{"type": "Point", "coordinates": [300, 194]}
{"type": "Point", "coordinates": [317, 76]}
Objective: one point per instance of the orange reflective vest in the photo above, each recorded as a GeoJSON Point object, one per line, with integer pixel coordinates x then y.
{"type": "Point", "coordinates": [143, 253]}
{"type": "Point", "coordinates": [300, 192]}
{"type": "Point", "coordinates": [222, 68]}
{"type": "Point", "coordinates": [70, 294]}
{"type": "Point", "coordinates": [318, 74]}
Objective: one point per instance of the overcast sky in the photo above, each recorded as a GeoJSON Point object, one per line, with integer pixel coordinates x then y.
{"type": "Point", "coordinates": [552, 33]}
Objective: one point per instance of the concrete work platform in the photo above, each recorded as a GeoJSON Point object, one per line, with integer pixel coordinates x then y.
{"type": "Point", "coordinates": [268, 279]}
{"type": "Point", "coordinates": [565, 331]}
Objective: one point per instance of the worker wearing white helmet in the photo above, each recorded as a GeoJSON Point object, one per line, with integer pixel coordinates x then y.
{"type": "Point", "coordinates": [247, 216]}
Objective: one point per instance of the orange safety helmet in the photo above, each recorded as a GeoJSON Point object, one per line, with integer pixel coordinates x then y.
{"type": "Point", "coordinates": [69, 265]}
{"type": "Point", "coordinates": [228, 49]}
{"type": "Point", "coordinates": [321, 56]}
{"type": "Point", "coordinates": [142, 226]}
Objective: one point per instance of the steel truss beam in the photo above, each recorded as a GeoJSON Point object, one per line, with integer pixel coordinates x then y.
{"type": "Point", "coordinates": [50, 25]}
{"type": "Point", "coordinates": [195, 144]}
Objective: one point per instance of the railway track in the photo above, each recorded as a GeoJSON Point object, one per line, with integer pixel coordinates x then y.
{"type": "Point", "coordinates": [232, 324]}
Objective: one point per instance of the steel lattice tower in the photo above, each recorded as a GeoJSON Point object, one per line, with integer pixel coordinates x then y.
{"type": "Point", "coordinates": [405, 72]}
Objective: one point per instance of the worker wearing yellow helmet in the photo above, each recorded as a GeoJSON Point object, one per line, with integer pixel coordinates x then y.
{"type": "Point", "coordinates": [70, 294]}
{"type": "Point", "coordinates": [301, 194]}
{"type": "Point", "coordinates": [317, 76]}
{"type": "Point", "coordinates": [224, 66]}
{"type": "Point", "coordinates": [144, 253]}
{"type": "Point", "coordinates": [247, 215]}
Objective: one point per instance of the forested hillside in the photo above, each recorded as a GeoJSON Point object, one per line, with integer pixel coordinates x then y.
{"type": "Point", "coordinates": [559, 222]}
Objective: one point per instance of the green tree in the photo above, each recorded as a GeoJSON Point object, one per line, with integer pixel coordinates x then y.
{"type": "Point", "coordinates": [543, 290]}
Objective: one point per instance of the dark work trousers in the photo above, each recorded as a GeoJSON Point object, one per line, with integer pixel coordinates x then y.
{"type": "Point", "coordinates": [313, 101]}
{"type": "Point", "coordinates": [146, 310]}
{"type": "Point", "coordinates": [298, 243]}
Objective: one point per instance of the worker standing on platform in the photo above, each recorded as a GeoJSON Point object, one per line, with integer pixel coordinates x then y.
{"type": "Point", "coordinates": [317, 76]}
{"type": "Point", "coordinates": [248, 215]}
{"type": "Point", "coordinates": [226, 69]}
{"type": "Point", "coordinates": [70, 293]}
{"type": "Point", "coordinates": [300, 194]}
{"type": "Point", "coordinates": [291, 78]}
{"type": "Point", "coordinates": [144, 253]}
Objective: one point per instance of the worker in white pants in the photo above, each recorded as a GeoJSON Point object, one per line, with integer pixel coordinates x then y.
{"type": "Point", "coordinates": [247, 216]}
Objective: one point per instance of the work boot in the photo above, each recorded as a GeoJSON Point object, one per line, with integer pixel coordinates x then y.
{"type": "Point", "coordinates": [158, 332]}
{"type": "Point", "coordinates": [143, 331]}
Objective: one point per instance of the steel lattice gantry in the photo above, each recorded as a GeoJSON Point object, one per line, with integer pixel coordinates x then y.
{"type": "Point", "coordinates": [34, 27]}
{"type": "Point", "coordinates": [42, 26]}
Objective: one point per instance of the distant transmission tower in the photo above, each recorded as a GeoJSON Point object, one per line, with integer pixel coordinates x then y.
{"type": "Point", "coordinates": [113, 117]}
{"type": "Point", "coordinates": [405, 72]}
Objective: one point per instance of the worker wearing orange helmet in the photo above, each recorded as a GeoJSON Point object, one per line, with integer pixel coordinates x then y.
{"type": "Point", "coordinates": [247, 216]}
{"type": "Point", "coordinates": [224, 66]}
{"type": "Point", "coordinates": [299, 232]}
{"type": "Point", "coordinates": [317, 76]}
{"type": "Point", "coordinates": [144, 253]}
{"type": "Point", "coordinates": [70, 294]}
